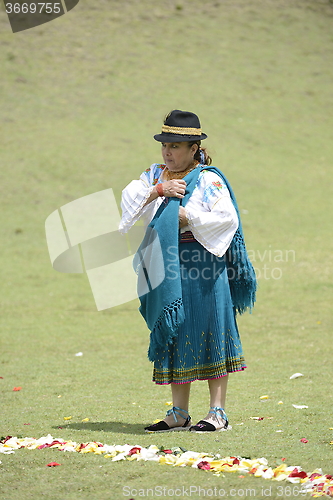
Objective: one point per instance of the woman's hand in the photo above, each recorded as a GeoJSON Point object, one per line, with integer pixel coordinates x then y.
{"type": "Point", "coordinates": [174, 188]}
{"type": "Point", "coordinates": [182, 217]}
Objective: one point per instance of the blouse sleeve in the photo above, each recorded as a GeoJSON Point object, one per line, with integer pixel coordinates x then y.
{"type": "Point", "coordinates": [135, 196]}
{"type": "Point", "coordinates": [211, 214]}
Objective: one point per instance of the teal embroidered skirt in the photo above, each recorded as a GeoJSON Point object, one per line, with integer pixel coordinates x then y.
{"type": "Point", "coordinates": [208, 345]}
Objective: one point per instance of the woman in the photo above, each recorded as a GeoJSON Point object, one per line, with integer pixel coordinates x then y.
{"type": "Point", "coordinates": [195, 232]}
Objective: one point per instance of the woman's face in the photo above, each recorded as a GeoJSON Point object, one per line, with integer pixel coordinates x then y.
{"type": "Point", "coordinates": [178, 155]}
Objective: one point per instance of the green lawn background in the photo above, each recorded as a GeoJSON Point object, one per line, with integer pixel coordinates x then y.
{"type": "Point", "coordinates": [81, 98]}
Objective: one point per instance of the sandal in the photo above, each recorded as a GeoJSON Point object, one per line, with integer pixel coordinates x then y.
{"type": "Point", "coordinates": [162, 426]}
{"type": "Point", "coordinates": [203, 426]}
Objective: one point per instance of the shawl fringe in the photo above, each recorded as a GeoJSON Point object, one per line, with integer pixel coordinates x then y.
{"type": "Point", "coordinates": [241, 275]}
{"type": "Point", "coordinates": [166, 326]}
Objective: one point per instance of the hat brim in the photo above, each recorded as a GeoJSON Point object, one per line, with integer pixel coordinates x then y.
{"type": "Point", "coordinates": [163, 137]}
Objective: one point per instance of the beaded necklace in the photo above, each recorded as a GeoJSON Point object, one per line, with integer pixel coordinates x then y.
{"type": "Point", "coordinates": [169, 175]}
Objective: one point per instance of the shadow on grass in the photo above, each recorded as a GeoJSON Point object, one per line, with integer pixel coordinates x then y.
{"type": "Point", "coordinates": [120, 427]}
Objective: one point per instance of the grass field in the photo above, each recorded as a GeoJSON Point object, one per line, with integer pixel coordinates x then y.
{"type": "Point", "coordinates": [81, 98]}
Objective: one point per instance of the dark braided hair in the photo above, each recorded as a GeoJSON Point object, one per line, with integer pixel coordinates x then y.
{"type": "Point", "coordinates": [197, 156]}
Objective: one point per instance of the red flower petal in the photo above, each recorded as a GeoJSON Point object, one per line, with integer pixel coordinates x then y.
{"type": "Point", "coordinates": [4, 440]}
{"type": "Point", "coordinates": [296, 473]}
{"type": "Point", "coordinates": [314, 475]}
{"type": "Point", "coordinates": [52, 464]}
{"type": "Point", "coordinates": [134, 450]}
{"type": "Point", "coordinates": [304, 440]}
{"type": "Point", "coordinates": [204, 465]}
{"type": "Point", "coordinates": [17, 388]}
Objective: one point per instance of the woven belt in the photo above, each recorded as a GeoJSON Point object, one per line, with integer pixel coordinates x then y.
{"type": "Point", "coordinates": [187, 237]}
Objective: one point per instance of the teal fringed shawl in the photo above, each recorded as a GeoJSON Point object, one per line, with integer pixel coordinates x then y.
{"type": "Point", "coordinates": [158, 268]}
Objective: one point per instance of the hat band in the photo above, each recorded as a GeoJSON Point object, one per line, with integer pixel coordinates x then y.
{"type": "Point", "coordinates": [181, 130]}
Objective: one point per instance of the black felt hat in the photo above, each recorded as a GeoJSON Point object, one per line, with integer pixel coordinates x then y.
{"type": "Point", "coordinates": [180, 126]}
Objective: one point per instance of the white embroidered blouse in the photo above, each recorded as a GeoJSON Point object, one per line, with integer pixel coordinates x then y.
{"type": "Point", "coordinates": [212, 217]}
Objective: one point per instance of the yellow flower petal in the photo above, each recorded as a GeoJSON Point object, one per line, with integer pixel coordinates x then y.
{"type": "Point", "coordinates": [168, 459]}
{"type": "Point", "coordinates": [264, 397]}
{"type": "Point", "coordinates": [68, 418]}
{"type": "Point", "coordinates": [85, 420]}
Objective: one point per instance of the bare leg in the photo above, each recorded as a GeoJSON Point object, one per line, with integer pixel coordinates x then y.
{"type": "Point", "coordinates": [180, 398]}
{"type": "Point", "coordinates": [218, 392]}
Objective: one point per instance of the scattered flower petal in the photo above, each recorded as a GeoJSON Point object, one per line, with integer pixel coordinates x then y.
{"type": "Point", "coordinates": [264, 397]}
{"type": "Point", "coordinates": [169, 403]}
{"type": "Point", "coordinates": [296, 375]}
{"type": "Point", "coordinates": [134, 450]}
{"type": "Point", "coordinates": [297, 473]}
{"type": "Point", "coordinates": [300, 407]}
{"type": "Point", "coordinates": [79, 354]}
{"type": "Point", "coordinates": [68, 418]}
{"type": "Point", "coordinates": [17, 388]}
{"type": "Point", "coordinates": [304, 440]}
{"type": "Point", "coordinates": [204, 465]}
{"type": "Point", "coordinates": [85, 420]}
{"type": "Point", "coordinates": [26, 424]}
{"type": "Point", "coordinates": [280, 402]}
{"type": "Point", "coordinates": [316, 482]}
